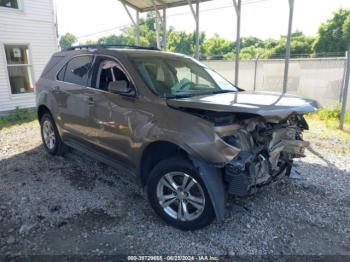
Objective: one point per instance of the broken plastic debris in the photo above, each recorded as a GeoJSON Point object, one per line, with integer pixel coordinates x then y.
{"type": "Point", "coordinates": [294, 174]}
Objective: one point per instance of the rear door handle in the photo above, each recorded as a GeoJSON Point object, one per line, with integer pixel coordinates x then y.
{"type": "Point", "coordinates": [57, 88]}
{"type": "Point", "coordinates": [91, 100]}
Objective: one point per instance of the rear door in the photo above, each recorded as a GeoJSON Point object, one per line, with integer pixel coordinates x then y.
{"type": "Point", "coordinates": [71, 95]}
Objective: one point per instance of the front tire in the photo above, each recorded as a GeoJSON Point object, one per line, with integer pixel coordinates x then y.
{"type": "Point", "coordinates": [50, 136]}
{"type": "Point", "coordinates": [178, 195]}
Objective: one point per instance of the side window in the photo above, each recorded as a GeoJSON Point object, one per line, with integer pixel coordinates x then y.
{"type": "Point", "coordinates": [60, 75]}
{"type": "Point", "coordinates": [54, 60]}
{"type": "Point", "coordinates": [9, 4]}
{"type": "Point", "coordinates": [106, 71]}
{"type": "Point", "coordinates": [77, 69]}
{"type": "Point", "coordinates": [19, 68]}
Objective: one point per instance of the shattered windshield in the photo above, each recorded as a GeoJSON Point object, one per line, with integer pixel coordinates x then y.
{"type": "Point", "coordinates": [180, 77]}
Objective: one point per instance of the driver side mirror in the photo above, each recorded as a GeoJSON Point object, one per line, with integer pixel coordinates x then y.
{"type": "Point", "coordinates": [121, 87]}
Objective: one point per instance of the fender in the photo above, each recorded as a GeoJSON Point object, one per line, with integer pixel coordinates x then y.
{"type": "Point", "coordinates": [212, 178]}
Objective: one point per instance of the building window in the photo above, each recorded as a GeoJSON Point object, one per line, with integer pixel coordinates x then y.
{"type": "Point", "coordinates": [9, 4]}
{"type": "Point", "coordinates": [19, 69]}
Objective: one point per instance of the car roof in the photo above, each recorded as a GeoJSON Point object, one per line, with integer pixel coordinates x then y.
{"type": "Point", "coordinates": [122, 51]}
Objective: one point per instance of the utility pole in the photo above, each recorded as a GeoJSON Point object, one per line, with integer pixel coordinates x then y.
{"type": "Point", "coordinates": [345, 92]}
{"type": "Point", "coordinates": [289, 39]}
{"type": "Point", "coordinates": [238, 8]}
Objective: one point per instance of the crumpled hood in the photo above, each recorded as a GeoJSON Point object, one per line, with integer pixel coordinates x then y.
{"type": "Point", "coordinates": [272, 106]}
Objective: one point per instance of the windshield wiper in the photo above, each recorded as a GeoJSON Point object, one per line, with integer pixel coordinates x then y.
{"type": "Point", "coordinates": [177, 96]}
{"type": "Point", "coordinates": [198, 94]}
{"type": "Point", "coordinates": [223, 91]}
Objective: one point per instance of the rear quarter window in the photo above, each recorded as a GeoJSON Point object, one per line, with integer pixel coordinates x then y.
{"type": "Point", "coordinates": [60, 75]}
{"type": "Point", "coordinates": [77, 69]}
{"type": "Point", "coordinates": [54, 60]}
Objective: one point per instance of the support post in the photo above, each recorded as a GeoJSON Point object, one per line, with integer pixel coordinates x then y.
{"type": "Point", "coordinates": [157, 27]}
{"type": "Point", "coordinates": [255, 71]}
{"type": "Point", "coordinates": [195, 14]}
{"type": "Point", "coordinates": [138, 28]}
{"type": "Point", "coordinates": [345, 92]}
{"type": "Point", "coordinates": [164, 29]}
{"type": "Point", "coordinates": [197, 31]}
{"type": "Point", "coordinates": [238, 7]}
{"type": "Point", "coordinates": [159, 21]}
{"type": "Point", "coordinates": [343, 78]}
{"type": "Point", "coordinates": [289, 39]}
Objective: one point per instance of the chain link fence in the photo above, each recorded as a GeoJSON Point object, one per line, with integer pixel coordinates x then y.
{"type": "Point", "coordinates": [317, 78]}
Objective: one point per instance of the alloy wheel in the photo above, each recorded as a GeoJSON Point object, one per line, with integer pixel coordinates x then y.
{"type": "Point", "coordinates": [181, 196]}
{"type": "Point", "coordinates": [49, 135]}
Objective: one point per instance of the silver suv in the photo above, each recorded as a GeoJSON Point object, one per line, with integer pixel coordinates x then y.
{"type": "Point", "coordinates": [189, 136]}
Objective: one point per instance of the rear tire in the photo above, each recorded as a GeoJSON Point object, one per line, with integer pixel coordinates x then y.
{"type": "Point", "coordinates": [51, 137]}
{"type": "Point", "coordinates": [175, 184]}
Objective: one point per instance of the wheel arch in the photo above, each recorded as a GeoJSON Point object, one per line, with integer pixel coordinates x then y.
{"type": "Point", "coordinates": [154, 153]}
{"type": "Point", "coordinates": [42, 109]}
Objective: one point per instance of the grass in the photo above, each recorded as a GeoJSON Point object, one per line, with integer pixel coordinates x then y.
{"type": "Point", "coordinates": [18, 117]}
{"type": "Point", "coordinates": [327, 130]}
{"type": "Point", "coordinates": [330, 116]}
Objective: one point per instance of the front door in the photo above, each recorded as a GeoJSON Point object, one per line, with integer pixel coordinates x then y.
{"type": "Point", "coordinates": [112, 113]}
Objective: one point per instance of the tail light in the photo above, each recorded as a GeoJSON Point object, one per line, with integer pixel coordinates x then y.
{"type": "Point", "coordinates": [36, 86]}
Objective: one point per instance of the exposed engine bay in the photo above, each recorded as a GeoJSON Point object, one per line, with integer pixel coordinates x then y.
{"type": "Point", "coordinates": [265, 144]}
{"type": "Point", "coordinates": [267, 151]}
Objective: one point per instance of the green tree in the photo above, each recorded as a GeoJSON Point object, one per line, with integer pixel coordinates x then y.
{"type": "Point", "coordinates": [182, 42]}
{"type": "Point", "coordinates": [301, 46]}
{"type": "Point", "coordinates": [270, 43]}
{"type": "Point", "coordinates": [251, 41]}
{"type": "Point", "coordinates": [251, 52]}
{"type": "Point", "coordinates": [148, 36]}
{"type": "Point", "coordinates": [346, 30]}
{"type": "Point", "coordinates": [67, 40]}
{"type": "Point", "coordinates": [217, 47]}
{"type": "Point", "coordinates": [334, 35]}
{"type": "Point", "coordinates": [116, 40]}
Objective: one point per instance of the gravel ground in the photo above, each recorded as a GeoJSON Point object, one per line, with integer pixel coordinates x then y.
{"type": "Point", "coordinates": [75, 205]}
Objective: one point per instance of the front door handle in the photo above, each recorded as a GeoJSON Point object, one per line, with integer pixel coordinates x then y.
{"type": "Point", "coordinates": [91, 100]}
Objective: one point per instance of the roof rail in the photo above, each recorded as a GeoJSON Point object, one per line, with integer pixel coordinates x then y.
{"type": "Point", "coordinates": [87, 47]}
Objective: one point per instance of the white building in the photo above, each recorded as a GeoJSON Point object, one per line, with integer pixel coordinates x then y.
{"type": "Point", "coordinates": [28, 37]}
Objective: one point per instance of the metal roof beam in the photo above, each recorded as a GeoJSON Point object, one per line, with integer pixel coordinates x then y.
{"type": "Point", "coordinates": [135, 23]}
{"type": "Point", "coordinates": [130, 5]}
{"type": "Point", "coordinates": [161, 4]}
{"type": "Point", "coordinates": [195, 14]}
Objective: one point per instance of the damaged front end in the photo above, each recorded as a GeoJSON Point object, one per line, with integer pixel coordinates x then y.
{"type": "Point", "coordinates": [266, 153]}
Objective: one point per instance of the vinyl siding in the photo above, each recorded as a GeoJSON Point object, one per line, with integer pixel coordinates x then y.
{"type": "Point", "coordinates": [33, 25]}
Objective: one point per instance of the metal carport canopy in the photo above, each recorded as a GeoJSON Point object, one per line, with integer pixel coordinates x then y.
{"type": "Point", "coordinates": [156, 5]}
{"type": "Point", "coordinates": [148, 5]}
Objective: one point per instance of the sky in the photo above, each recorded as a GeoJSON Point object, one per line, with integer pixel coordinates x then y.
{"type": "Point", "coordinates": [91, 19]}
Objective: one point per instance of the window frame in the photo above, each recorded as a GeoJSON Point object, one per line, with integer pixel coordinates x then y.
{"type": "Point", "coordinates": [89, 83]}
{"type": "Point", "coordinates": [11, 9]}
{"type": "Point", "coordinates": [120, 67]}
{"type": "Point", "coordinates": [30, 66]}
{"type": "Point", "coordinates": [66, 64]}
